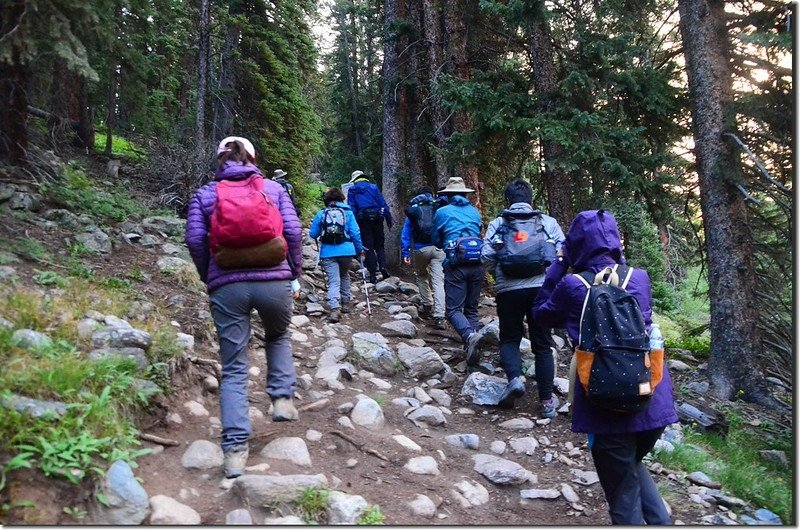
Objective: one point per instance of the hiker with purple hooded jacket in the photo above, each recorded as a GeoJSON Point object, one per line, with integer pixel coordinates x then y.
{"type": "Point", "coordinates": [233, 293]}
{"type": "Point", "coordinates": [618, 441]}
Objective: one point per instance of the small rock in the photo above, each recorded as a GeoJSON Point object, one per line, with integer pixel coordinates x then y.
{"type": "Point", "coordinates": [202, 454]}
{"type": "Point", "coordinates": [498, 447]}
{"type": "Point", "coordinates": [174, 418]}
{"type": "Point", "coordinates": [401, 328]}
{"type": "Point", "coordinates": [313, 436]}
{"type": "Point", "coordinates": [259, 490]}
{"type": "Point", "coordinates": [406, 442]}
{"type": "Point", "coordinates": [196, 409]}
{"type": "Point", "coordinates": [300, 321]}
{"type": "Point", "coordinates": [240, 516]}
{"type": "Point", "coordinates": [569, 493]}
{"type": "Point", "coordinates": [539, 494]}
{"type": "Point", "coordinates": [699, 387]}
{"type": "Point", "coordinates": [762, 514]}
{"type": "Point", "coordinates": [121, 338]}
{"type": "Point", "coordinates": [368, 413]}
{"type": "Point", "coordinates": [776, 456]}
{"type": "Point", "coordinates": [561, 385]}
{"type": "Point", "coordinates": [717, 520]}
{"type": "Point", "coordinates": [35, 408]}
{"type": "Point", "coordinates": [345, 509]}
{"type": "Point", "coordinates": [286, 520]}
{"type": "Point", "coordinates": [168, 511]}
{"type": "Point", "coordinates": [95, 241]}
{"type": "Point", "coordinates": [172, 264]}
{"type": "Point", "coordinates": [185, 341]}
{"type": "Point", "coordinates": [427, 415]}
{"type": "Point", "coordinates": [470, 493]}
{"type": "Point", "coordinates": [543, 421]}
{"type": "Point", "coordinates": [501, 471]}
{"type": "Point", "coordinates": [423, 465]}
{"type": "Point", "coordinates": [517, 424]}
{"type": "Point", "coordinates": [675, 365]}
{"type": "Point", "coordinates": [344, 421]}
{"type": "Point", "coordinates": [210, 384]}
{"type": "Point", "coordinates": [292, 449]}
{"type": "Point", "coordinates": [441, 397]}
{"type": "Point", "coordinates": [30, 339]}
{"type": "Point", "coordinates": [127, 500]}
{"type": "Point", "coordinates": [527, 445]}
{"type": "Point", "coordinates": [584, 478]}
{"type": "Point", "coordinates": [422, 506]}
{"type": "Point", "coordinates": [701, 479]}
{"type": "Point", "coordinates": [466, 441]}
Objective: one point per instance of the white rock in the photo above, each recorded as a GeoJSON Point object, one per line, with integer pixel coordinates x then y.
{"type": "Point", "coordinates": [406, 442]}
{"type": "Point", "coordinates": [168, 511]}
{"type": "Point", "coordinates": [344, 421]}
{"type": "Point", "coordinates": [421, 395]}
{"type": "Point", "coordinates": [427, 415]}
{"type": "Point", "coordinates": [345, 408]}
{"type": "Point", "coordinates": [300, 321]}
{"type": "Point", "coordinates": [258, 468]}
{"type": "Point", "coordinates": [561, 385]}
{"type": "Point", "coordinates": [422, 506]}
{"type": "Point", "coordinates": [175, 418]}
{"type": "Point", "coordinates": [202, 454]}
{"type": "Point", "coordinates": [292, 449]}
{"type": "Point", "coordinates": [539, 494]}
{"type": "Point", "coordinates": [469, 493]}
{"type": "Point", "coordinates": [517, 424]}
{"type": "Point", "coordinates": [440, 396]}
{"type": "Point", "coordinates": [286, 520]}
{"type": "Point", "coordinates": [501, 471]}
{"type": "Point", "coordinates": [466, 441]}
{"type": "Point", "coordinates": [240, 516]}
{"type": "Point", "coordinates": [258, 490]}
{"type": "Point", "coordinates": [380, 383]}
{"type": "Point", "coordinates": [185, 341]}
{"type": "Point", "coordinates": [196, 409]}
{"type": "Point", "coordinates": [423, 465]}
{"type": "Point", "coordinates": [368, 413]}
{"type": "Point", "coordinates": [569, 493]}
{"type": "Point", "coordinates": [210, 384]}
{"type": "Point", "coordinates": [345, 509]}
{"type": "Point", "coordinates": [313, 436]}
{"type": "Point", "coordinates": [498, 447]}
{"type": "Point", "coordinates": [527, 445]}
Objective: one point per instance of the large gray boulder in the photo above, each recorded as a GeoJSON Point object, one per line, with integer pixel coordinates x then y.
{"type": "Point", "coordinates": [400, 328]}
{"type": "Point", "coordinates": [30, 339]}
{"type": "Point", "coordinates": [127, 501]}
{"type": "Point", "coordinates": [374, 354]}
{"type": "Point", "coordinates": [501, 471]}
{"type": "Point", "coordinates": [483, 389]}
{"type": "Point", "coordinates": [35, 408]}
{"type": "Point", "coordinates": [202, 454]}
{"type": "Point", "coordinates": [95, 241]}
{"type": "Point", "coordinates": [259, 490]}
{"type": "Point", "coordinates": [171, 226]}
{"type": "Point", "coordinates": [420, 362]}
{"type": "Point", "coordinates": [121, 338]}
{"type": "Point", "coordinates": [345, 509]}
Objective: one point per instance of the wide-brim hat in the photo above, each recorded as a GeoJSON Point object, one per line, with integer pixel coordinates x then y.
{"type": "Point", "coordinates": [278, 173]}
{"type": "Point", "coordinates": [456, 185]}
{"type": "Point", "coordinates": [248, 146]}
{"type": "Point", "coordinates": [355, 174]}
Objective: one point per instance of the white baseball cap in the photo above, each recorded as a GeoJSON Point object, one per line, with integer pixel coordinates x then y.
{"type": "Point", "coordinates": [355, 174]}
{"type": "Point", "coordinates": [248, 147]}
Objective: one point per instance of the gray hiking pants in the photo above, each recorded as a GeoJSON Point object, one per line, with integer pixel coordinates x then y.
{"type": "Point", "coordinates": [428, 268]}
{"type": "Point", "coordinates": [230, 307]}
{"type": "Point", "coordinates": [338, 275]}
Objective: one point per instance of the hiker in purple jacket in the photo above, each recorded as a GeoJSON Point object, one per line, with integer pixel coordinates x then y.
{"type": "Point", "coordinates": [618, 441]}
{"type": "Point", "coordinates": [234, 293]}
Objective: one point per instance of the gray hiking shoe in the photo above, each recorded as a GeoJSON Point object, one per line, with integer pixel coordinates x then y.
{"type": "Point", "coordinates": [471, 350]}
{"type": "Point", "coordinates": [235, 460]}
{"type": "Point", "coordinates": [284, 410]}
{"type": "Point", "coordinates": [549, 407]}
{"type": "Point", "coordinates": [438, 323]}
{"type": "Point", "coordinates": [515, 389]}
{"type": "Point", "coordinates": [334, 316]}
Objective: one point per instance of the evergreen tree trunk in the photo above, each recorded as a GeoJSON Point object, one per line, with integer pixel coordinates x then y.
{"type": "Point", "coordinates": [456, 24]}
{"type": "Point", "coordinates": [394, 130]}
{"type": "Point", "coordinates": [14, 79]}
{"type": "Point", "coordinates": [416, 148]}
{"type": "Point", "coordinates": [224, 103]}
{"type": "Point", "coordinates": [434, 37]}
{"type": "Point", "coordinates": [85, 115]}
{"type": "Point", "coordinates": [111, 106]}
{"type": "Point", "coordinates": [352, 81]}
{"type": "Point", "coordinates": [202, 82]}
{"type": "Point", "coordinates": [556, 181]}
{"type": "Point", "coordinates": [735, 338]}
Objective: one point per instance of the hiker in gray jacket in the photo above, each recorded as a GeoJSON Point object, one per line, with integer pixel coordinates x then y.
{"type": "Point", "coordinates": [517, 288]}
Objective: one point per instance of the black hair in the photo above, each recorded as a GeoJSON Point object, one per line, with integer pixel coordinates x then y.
{"type": "Point", "coordinates": [332, 195]}
{"type": "Point", "coordinates": [518, 191]}
{"type": "Point", "coordinates": [424, 189]}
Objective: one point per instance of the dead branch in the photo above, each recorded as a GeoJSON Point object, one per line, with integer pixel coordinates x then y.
{"type": "Point", "coordinates": [361, 447]}
{"type": "Point", "coordinates": [158, 439]}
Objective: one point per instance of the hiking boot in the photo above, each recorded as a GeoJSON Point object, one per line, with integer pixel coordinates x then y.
{"type": "Point", "coordinates": [385, 274]}
{"type": "Point", "coordinates": [334, 316]}
{"type": "Point", "coordinates": [284, 410]}
{"type": "Point", "coordinates": [549, 407]}
{"type": "Point", "coordinates": [438, 323]}
{"type": "Point", "coordinates": [373, 278]}
{"type": "Point", "coordinates": [515, 389]}
{"type": "Point", "coordinates": [345, 307]}
{"type": "Point", "coordinates": [235, 460]}
{"type": "Point", "coordinates": [425, 311]}
{"type": "Point", "coordinates": [471, 352]}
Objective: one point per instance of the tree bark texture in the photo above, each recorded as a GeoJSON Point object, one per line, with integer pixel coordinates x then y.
{"type": "Point", "coordinates": [394, 126]}
{"type": "Point", "coordinates": [415, 139]}
{"type": "Point", "coordinates": [436, 44]}
{"type": "Point", "coordinates": [735, 338]}
{"type": "Point", "coordinates": [14, 83]}
{"type": "Point", "coordinates": [457, 12]}
{"type": "Point", "coordinates": [556, 180]}
{"type": "Point", "coordinates": [225, 102]}
{"type": "Point", "coordinates": [352, 81]}
{"type": "Point", "coordinates": [111, 105]}
{"type": "Point", "coordinates": [202, 79]}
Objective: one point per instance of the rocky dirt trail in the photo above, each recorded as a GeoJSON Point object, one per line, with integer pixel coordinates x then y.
{"type": "Point", "coordinates": [389, 419]}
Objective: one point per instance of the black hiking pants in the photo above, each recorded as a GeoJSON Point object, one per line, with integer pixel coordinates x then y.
{"type": "Point", "coordinates": [632, 496]}
{"type": "Point", "coordinates": [373, 240]}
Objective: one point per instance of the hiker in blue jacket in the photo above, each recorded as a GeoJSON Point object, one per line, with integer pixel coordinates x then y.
{"type": "Point", "coordinates": [428, 259]}
{"type": "Point", "coordinates": [336, 257]}
{"type": "Point", "coordinates": [371, 210]}
{"type": "Point", "coordinates": [462, 282]}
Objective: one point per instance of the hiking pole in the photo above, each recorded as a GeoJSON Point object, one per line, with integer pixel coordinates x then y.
{"type": "Point", "coordinates": [364, 279]}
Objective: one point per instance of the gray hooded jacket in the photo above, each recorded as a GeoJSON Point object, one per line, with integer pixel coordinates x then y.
{"type": "Point", "coordinates": [489, 255]}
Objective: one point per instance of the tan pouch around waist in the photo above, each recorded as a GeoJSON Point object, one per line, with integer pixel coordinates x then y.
{"type": "Point", "coordinates": [263, 256]}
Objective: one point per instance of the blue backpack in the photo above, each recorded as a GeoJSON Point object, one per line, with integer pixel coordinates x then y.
{"type": "Point", "coordinates": [465, 250]}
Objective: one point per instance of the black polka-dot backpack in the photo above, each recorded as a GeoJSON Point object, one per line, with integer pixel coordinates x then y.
{"type": "Point", "coordinates": [615, 366]}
